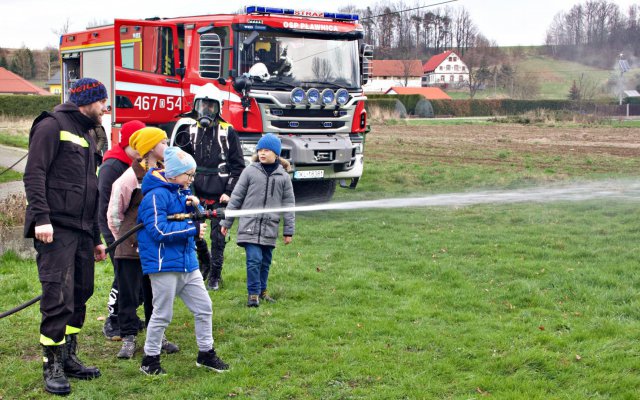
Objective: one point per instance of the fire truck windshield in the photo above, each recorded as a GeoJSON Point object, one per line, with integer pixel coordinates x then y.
{"type": "Point", "coordinates": [298, 61]}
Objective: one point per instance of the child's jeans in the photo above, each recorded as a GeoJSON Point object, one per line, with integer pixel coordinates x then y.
{"type": "Point", "coordinates": [190, 288]}
{"type": "Point", "coordinates": [258, 263]}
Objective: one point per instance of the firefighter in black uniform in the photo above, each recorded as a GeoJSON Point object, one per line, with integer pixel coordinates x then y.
{"type": "Point", "coordinates": [216, 148]}
{"type": "Point", "coordinates": [62, 194]}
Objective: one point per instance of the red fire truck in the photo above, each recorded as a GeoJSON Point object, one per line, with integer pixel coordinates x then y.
{"type": "Point", "coordinates": [295, 73]}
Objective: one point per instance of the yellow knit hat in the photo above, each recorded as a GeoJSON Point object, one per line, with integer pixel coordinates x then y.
{"type": "Point", "coordinates": [145, 139]}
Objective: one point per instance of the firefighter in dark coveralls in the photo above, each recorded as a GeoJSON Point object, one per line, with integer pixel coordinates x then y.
{"type": "Point", "coordinates": [215, 146]}
{"type": "Point", "coordinates": [62, 194]}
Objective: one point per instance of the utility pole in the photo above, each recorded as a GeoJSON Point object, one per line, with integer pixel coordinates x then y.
{"type": "Point", "coordinates": [624, 67]}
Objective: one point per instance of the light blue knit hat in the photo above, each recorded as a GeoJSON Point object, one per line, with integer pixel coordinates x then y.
{"type": "Point", "coordinates": [177, 162]}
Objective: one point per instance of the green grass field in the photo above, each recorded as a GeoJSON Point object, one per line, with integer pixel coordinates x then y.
{"type": "Point", "coordinates": [526, 301]}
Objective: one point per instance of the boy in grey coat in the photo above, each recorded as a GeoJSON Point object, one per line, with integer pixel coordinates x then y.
{"type": "Point", "coordinates": [264, 184]}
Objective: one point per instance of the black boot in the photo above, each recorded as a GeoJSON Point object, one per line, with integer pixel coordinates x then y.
{"type": "Point", "coordinates": [215, 278]}
{"type": "Point", "coordinates": [73, 367]}
{"type": "Point", "coordinates": [55, 380]}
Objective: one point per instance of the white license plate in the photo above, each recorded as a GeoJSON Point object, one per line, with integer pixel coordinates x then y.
{"type": "Point", "coordinates": [308, 174]}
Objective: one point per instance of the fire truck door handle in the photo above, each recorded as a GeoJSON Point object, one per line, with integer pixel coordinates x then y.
{"type": "Point", "coordinates": [172, 80]}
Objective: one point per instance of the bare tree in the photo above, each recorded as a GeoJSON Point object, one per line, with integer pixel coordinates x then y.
{"type": "Point", "coordinates": [407, 71]}
{"type": "Point", "coordinates": [97, 22]}
{"type": "Point", "coordinates": [64, 28]}
{"type": "Point", "coordinates": [526, 86]}
{"type": "Point", "coordinates": [321, 69]}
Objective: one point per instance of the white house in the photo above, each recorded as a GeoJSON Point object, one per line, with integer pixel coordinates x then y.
{"type": "Point", "coordinates": [445, 68]}
{"type": "Point", "coordinates": [389, 73]}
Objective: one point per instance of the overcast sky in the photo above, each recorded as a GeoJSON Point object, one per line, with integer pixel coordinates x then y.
{"type": "Point", "coordinates": [32, 22]}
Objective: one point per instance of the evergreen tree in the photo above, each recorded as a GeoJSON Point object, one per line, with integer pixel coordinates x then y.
{"type": "Point", "coordinates": [3, 58]}
{"type": "Point", "coordinates": [23, 63]}
{"type": "Point", "coordinates": [574, 92]}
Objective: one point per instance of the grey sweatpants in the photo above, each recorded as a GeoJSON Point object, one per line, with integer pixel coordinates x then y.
{"type": "Point", "coordinates": [190, 288]}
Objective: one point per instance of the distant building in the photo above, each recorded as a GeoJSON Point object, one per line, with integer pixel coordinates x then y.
{"type": "Point", "coordinates": [11, 83]}
{"type": "Point", "coordinates": [54, 84]}
{"type": "Point", "coordinates": [388, 73]}
{"type": "Point", "coordinates": [429, 93]}
{"type": "Point", "coordinates": [445, 68]}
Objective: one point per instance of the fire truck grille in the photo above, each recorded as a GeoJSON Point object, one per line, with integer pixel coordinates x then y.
{"type": "Point", "coordinates": [307, 124]}
{"type": "Point", "coordinates": [307, 113]}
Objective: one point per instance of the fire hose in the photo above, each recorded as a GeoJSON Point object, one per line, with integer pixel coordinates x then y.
{"type": "Point", "coordinates": [195, 216]}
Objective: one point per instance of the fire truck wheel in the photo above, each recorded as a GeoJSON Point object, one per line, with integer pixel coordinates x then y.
{"type": "Point", "coordinates": [314, 192]}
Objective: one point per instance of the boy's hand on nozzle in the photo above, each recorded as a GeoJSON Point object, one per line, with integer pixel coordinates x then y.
{"type": "Point", "coordinates": [203, 230]}
{"type": "Point", "coordinates": [193, 201]}
{"type": "Point", "coordinates": [224, 230]}
{"type": "Point", "coordinates": [287, 239]}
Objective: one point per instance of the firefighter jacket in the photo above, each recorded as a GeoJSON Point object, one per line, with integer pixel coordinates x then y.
{"type": "Point", "coordinates": [165, 245]}
{"type": "Point", "coordinates": [219, 158]}
{"type": "Point", "coordinates": [60, 177]}
{"type": "Point", "coordinates": [258, 190]}
{"type": "Point", "coordinates": [122, 213]}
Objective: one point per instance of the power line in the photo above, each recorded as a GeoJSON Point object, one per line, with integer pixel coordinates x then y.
{"type": "Point", "coordinates": [409, 9]}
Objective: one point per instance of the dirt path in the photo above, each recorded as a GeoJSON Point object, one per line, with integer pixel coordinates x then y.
{"type": "Point", "coordinates": [8, 156]}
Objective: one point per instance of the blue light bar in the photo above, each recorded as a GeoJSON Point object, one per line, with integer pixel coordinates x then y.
{"type": "Point", "coordinates": [300, 13]}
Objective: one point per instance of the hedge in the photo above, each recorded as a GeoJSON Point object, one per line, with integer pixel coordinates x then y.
{"type": "Point", "coordinates": [408, 100]}
{"type": "Point", "coordinates": [483, 108]}
{"type": "Point", "coordinates": [392, 105]}
{"type": "Point", "coordinates": [26, 105]}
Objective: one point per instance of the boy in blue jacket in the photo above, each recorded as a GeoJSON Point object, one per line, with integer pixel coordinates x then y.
{"type": "Point", "coordinates": [168, 256]}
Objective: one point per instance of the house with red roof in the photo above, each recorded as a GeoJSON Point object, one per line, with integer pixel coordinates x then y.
{"type": "Point", "coordinates": [388, 73]}
{"type": "Point", "coordinates": [11, 83]}
{"type": "Point", "coordinates": [429, 93]}
{"type": "Point", "coordinates": [445, 68]}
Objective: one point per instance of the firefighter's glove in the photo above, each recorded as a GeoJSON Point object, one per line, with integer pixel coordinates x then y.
{"type": "Point", "coordinates": [44, 233]}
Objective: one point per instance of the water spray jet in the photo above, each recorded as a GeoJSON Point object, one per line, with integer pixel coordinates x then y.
{"type": "Point", "coordinates": [617, 189]}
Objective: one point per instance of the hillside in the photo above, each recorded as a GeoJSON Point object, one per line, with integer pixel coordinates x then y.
{"type": "Point", "coordinates": [556, 78]}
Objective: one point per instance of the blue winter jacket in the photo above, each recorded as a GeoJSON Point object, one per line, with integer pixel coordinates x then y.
{"type": "Point", "coordinates": [165, 246]}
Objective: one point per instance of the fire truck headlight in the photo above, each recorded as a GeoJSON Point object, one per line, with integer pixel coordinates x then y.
{"type": "Point", "coordinates": [297, 95]}
{"type": "Point", "coordinates": [342, 96]}
{"type": "Point", "coordinates": [328, 97]}
{"type": "Point", "coordinates": [313, 96]}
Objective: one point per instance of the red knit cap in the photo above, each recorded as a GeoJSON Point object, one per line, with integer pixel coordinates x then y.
{"type": "Point", "coordinates": [128, 129]}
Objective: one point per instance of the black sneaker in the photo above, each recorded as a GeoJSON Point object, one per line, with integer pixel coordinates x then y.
{"type": "Point", "coordinates": [253, 301]}
{"type": "Point", "coordinates": [209, 359]}
{"type": "Point", "coordinates": [151, 366]}
{"type": "Point", "coordinates": [214, 284]}
{"type": "Point", "coordinates": [111, 329]}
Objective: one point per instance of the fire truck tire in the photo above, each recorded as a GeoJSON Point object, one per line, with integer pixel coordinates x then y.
{"type": "Point", "coordinates": [314, 192]}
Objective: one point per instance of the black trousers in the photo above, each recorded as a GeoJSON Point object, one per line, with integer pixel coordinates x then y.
{"type": "Point", "coordinates": [130, 281]}
{"type": "Point", "coordinates": [112, 303]}
{"type": "Point", "coordinates": [66, 271]}
{"type": "Point", "coordinates": [218, 243]}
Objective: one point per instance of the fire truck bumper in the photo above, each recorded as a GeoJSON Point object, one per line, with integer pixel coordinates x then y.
{"type": "Point", "coordinates": [325, 157]}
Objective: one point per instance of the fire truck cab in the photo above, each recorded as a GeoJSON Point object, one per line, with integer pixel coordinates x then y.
{"type": "Point", "coordinates": [298, 74]}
